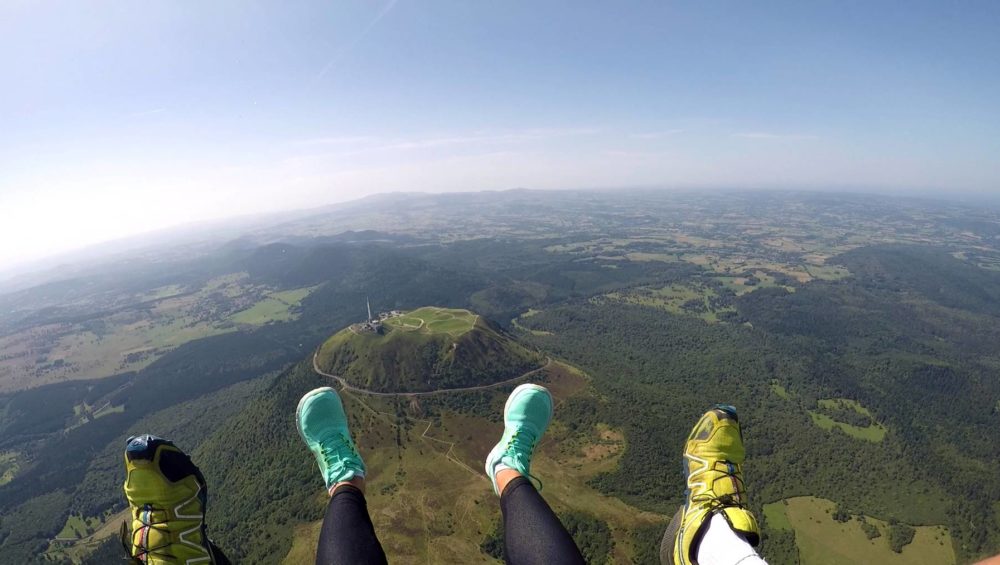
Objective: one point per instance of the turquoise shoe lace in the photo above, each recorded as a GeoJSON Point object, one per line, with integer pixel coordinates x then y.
{"type": "Point", "coordinates": [517, 453]}
{"type": "Point", "coordinates": [340, 455]}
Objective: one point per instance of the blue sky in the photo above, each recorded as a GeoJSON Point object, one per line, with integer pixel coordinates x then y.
{"type": "Point", "coordinates": [121, 117]}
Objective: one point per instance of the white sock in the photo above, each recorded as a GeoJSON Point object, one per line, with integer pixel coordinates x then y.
{"type": "Point", "coordinates": [722, 546]}
{"type": "Point", "coordinates": [500, 466]}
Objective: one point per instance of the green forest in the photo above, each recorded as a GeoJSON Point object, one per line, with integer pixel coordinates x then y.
{"type": "Point", "coordinates": [903, 349]}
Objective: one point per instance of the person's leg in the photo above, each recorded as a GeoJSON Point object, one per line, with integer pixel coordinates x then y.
{"type": "Point", "coordinates": [348, 536]}
{"type": "Point", "coordinates": [714, 527]}
{"type": "Point", "coordinates": [533, 533]}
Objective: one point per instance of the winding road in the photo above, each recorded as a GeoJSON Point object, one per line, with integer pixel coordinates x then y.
{"type": "Point", "coordinates": [349, 387]}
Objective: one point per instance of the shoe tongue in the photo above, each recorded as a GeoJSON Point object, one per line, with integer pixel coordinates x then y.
{"type": "Point", "coordinates": [518, 452]}
{"type": "Point", "coordinates": [727, 444]}
{"type": "Point", "coordinates": [524, 437]}
{"type": "Point", "coordinates": [333, 443]}
{"type": "Point", "coordinates": [725, 482]}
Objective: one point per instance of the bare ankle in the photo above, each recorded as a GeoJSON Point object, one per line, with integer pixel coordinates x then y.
{"type": "Point", "coordinates": [505, 476]}
{"type": "Point", "coordinates": [356, 482]}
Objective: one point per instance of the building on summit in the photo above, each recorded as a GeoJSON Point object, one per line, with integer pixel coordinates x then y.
{"type": "Point", "coordinates": [374, 323]}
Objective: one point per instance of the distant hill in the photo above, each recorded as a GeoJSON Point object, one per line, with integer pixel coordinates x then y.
{"type": "Point", "coordinates": [426, 349]}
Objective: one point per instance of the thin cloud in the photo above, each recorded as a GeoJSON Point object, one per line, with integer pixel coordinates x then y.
{"type": "Point", "coordinates": [773, 136]}
{"type": "Point", "coordinates": [482, 142]}
{"type": "Point", "coordinates": [656, 134]}
{"type": "Point", "coordinates": [147, 112]}
{"type": "Point", "coordinates": [367, 143]}
{"type": "Point", "coordinates": [488, 138]}
{"type": "Point", "coordinates": [338, 140]}
{"type": "Point", "coordinates": [358, 39]}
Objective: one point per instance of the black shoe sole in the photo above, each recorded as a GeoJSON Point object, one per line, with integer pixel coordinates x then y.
{"type": "Point", "coordinates": [669, 540]}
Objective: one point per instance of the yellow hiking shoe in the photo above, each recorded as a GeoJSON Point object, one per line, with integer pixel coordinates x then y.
{"type": "Point", "coordinates": [166, 495]}
{"type": "Point", "coordinates": [713, 464]}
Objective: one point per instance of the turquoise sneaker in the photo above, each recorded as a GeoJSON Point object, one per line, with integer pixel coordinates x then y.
{"type": "Point", "coordinates": [322, 424]}
{"type": "Point", "coordinates": [525, 417]}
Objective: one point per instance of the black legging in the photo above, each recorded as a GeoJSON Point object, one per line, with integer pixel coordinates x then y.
{"type": "Point", "coordinates": [532, 532]}
{"type": "Point", "coordinates": [348, 536]}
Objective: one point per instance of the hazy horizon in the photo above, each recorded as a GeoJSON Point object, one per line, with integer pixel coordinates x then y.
{"type": "Point", "coordinates": [172, 232]}
{"type": "Point", "coordinates": [123, 119]}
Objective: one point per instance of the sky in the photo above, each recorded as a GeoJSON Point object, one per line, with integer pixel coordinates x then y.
{"type": "Point", "coordinates": [124, 117]}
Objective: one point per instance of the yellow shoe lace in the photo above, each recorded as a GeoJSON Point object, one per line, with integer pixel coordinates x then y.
{"type": "Point", "coordinates": [731, 472]}
{"type": "Point", "coordinates": [141, 551]}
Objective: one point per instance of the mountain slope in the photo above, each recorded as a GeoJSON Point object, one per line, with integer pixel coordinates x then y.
{"type": "Point", "coordinates": [426, 349]}
{"type": "Point", "coordinates": [429, 498]}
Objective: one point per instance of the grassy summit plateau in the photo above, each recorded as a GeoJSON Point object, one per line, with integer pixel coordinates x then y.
{"type": "Point", "coordinates": [427, 349]}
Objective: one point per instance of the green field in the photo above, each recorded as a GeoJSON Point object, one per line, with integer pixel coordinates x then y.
{"type": "Point", "coordinates": [874, 432]}
{"type": "Point", "coordinates": [776, 517]}
{"type": "Point", "coordinates": [81, 535]}
{"type": "Point", "coordinates": [8, 466]}
{"type": "Point", "coordinates": [79, 527]}
{"type": "Point", "coordinates": [692, 299]}
{"type": "Point", "coordinates": [823, 541]}
{"type": "Point", "coordinates": [826, 272]}
{"type": "Point", "coordinates": [517, 324]}
{"type": "Point", "coordinates": [781, 391]}
{"type": "Point", "coordinates": [431, 320]}
{"type": "Point", "coordinates": [276, 307]}
{"type": "Point", "coordinates": [83, 413]}
{"type": "Point", "coordinates": [743, 284]}
{"type": "Point", "coordinates": [666, 258]}
{"type": "Point", "coordinates": [163, 292]}
{"type": "Point", "coordinates": [128, 340]}
{"type": "Point", "coordinates": [109, 409]}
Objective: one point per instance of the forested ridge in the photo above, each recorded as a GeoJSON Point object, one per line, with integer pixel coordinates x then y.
{"type": "Point", "coordinates": [410, 361]}
{"type": "Point", "coordinates": [910, 336]}
{"type": "Point", "coordinates": [57, 461]}
{"type": "Point", "coordinates": [926, 371]}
